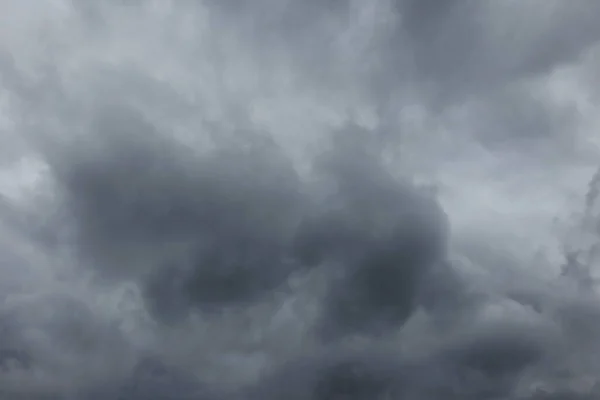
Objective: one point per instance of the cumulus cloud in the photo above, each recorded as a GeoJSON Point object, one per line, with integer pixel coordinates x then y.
{"type": "Point", "coordinates": [301, 199]}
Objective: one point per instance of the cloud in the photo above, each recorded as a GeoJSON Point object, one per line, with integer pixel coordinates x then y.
{"type": "Point", "coordinates": [197, 187]}
{"type": "Point", "coordinates": [207, 230]}
{"type": "Point", "coordinates": [384, 233]}
{"type": "Point", "coordinates": [483, 365]}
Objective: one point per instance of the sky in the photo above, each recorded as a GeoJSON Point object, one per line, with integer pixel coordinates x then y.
{"type": "Point", "coordinates": [299, 199]}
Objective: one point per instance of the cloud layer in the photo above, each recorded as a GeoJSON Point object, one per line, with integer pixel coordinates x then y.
{"type": "Point", "coordinates": [299, 199]}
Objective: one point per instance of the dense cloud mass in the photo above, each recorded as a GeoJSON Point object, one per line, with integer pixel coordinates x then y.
{"type": "Point", "coordinates": [312, 200]}
{"type": "Point", "coordinates": [199, 230]}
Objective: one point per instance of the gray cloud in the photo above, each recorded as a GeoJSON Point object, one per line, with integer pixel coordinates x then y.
{"type": "Point", "coordinates": [241, 181]}
{"type": "Point", "coordinates": [483, 365]}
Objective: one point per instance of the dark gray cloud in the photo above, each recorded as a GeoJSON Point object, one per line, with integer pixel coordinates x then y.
{"type": "Point", "coordinates": [256, 164]}
{"type": "Point", "coordinates": [465, 48]}
{"type": "Point", "coordinates": [151, 378]}
{"type": "Point", "coordinates": [208, 230]}
{"type": "Point", "coordinates": [222, 229]}
{"type": "Point", "coordinates": [384, 233]}
{"type": "Point", "coordinates": [484, 365]}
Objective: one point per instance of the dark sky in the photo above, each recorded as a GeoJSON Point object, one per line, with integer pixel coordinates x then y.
{"type": "Point", "coordinates": [298, 199]}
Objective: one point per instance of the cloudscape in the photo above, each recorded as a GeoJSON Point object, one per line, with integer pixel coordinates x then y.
{"type": "Point", "coordinates": [311, 200]}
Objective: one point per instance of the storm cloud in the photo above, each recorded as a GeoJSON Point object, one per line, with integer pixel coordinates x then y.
{"type": "Point", "coordinates": [303, 199]}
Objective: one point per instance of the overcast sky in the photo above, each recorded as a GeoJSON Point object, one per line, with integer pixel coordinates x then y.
{"type": "Point", "coordinates": [142, 137]}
